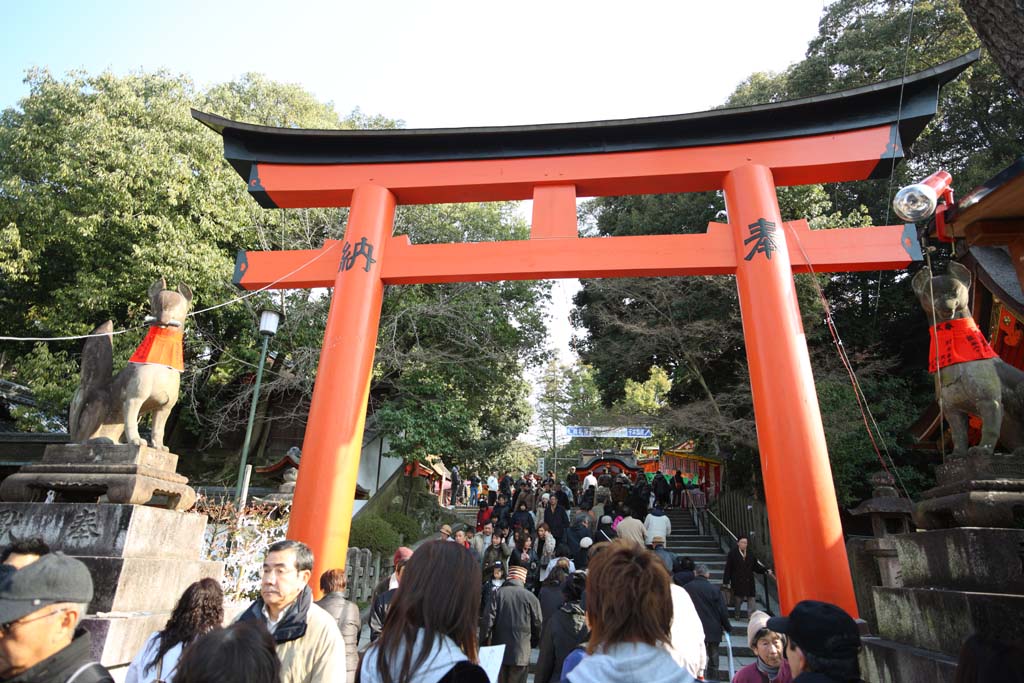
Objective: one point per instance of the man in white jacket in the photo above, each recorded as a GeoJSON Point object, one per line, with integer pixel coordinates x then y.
{"type": "Point", "coordinates": [657, 523]}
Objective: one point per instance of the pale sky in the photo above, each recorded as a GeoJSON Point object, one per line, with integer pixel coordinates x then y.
{"type": "Point", "coordinates": [431, 63]}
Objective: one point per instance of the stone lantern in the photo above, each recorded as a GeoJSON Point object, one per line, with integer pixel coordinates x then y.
{"type": "Point", "coordinates": [890, 515]}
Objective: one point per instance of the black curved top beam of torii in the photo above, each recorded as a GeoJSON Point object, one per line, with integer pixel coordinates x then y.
{"type": "Point", "coordinates": [905, 104]}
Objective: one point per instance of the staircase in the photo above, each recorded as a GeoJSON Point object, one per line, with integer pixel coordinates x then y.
{"type": "Point", "coordinates": [686, 541]}
{"type": "Point", "coordinates": [466, 515]}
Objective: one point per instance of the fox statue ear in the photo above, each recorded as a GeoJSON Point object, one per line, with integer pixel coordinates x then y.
{"type": "Point", "coordinates": [185, 292]}
{"type": "Point", "coordinates": [960, 272]}
{"type": "Point", "coordinates": [920, 280]}
{"type": "Point", "coordinates": [155, 289]}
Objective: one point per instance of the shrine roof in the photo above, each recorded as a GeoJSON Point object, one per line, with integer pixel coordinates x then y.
{"type": "Point", "coordinates": [994, 269]}
{"type": "Point", "coordinates": [908, 103]}
{"type": "Point", "coordinates": [998, 201]}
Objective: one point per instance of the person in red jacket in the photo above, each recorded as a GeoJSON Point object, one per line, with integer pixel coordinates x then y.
{"type": "Point", "coordinates": [483, 515]}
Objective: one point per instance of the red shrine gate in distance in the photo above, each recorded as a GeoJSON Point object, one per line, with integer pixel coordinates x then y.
{"type": "Point", "coordinates": [851, 135]}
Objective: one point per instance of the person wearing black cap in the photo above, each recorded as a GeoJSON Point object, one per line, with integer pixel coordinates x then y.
{"type": "Point", "coordinates": [40, 639]}
{"type": "Point", "coordinates": [822, 645]}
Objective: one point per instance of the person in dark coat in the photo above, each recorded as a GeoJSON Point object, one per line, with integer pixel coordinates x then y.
{"type": "Point", "coordinates": [502, 513]}
{"type": "Point", "coordinates": [557, 519]}
{"type": "Point", "coordinates": [490, 587]}
{"type": "Point", "coordinates": [550, 595]}
{"type": "Point", "coordinates": [563, 632]}
{"type": "Point", "coordinates": [740, 566]}
{"type": "Point", "coordinates": [683, 571]}
{"type": "Point", "coordinates": [662, 490]}
{"type": "Point", "coordinates": [522, 520]}
{"type": "Point", "coordinates": [505, 486]}
{"type": "Point", "coordinates": [677, 489]}
{"type": "Point", "coordinates": [346, 613]}
{"type": "Point", "coordinates": [605, 533]}
{"type": "Point", "coordinates": [714, 617]}
{"type": "Point", "coordinates": [579, 530]}
{"type": "Point", "coordinates": [513, 620]}
{"type": "Point", "coordinates": [497, 551]}
{"type": "Point", "coordinates": [524, 556]}
{"type": "Point", "coordinates": [572, 480]}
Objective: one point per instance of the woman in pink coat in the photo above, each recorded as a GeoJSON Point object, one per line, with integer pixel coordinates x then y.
{"type": "Point", "coordinates": [771, 665]}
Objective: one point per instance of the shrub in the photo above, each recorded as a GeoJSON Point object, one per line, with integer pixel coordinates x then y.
{"type": "Point", "coordinates": [407, 527]}
{"type": "Point", "coordinates": [372, 532]}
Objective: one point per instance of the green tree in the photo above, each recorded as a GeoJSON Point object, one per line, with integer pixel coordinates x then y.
{"type": "Point", "coordinates": [108, 184]}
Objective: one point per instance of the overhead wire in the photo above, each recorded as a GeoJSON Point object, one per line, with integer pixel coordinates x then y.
{"type": "Point", "coordinates": [870, 424]}
{"type": "Point", "coordinates": [899, 115]}
{"type": "Point", "coordinates": [320, 254]}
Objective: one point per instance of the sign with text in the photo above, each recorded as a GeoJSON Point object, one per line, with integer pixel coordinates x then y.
{"type": "Point", "coordinates": [609, 432]}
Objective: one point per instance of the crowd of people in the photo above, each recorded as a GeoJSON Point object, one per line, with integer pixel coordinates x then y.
{"type": "Point", "coordinates": [596, 592]}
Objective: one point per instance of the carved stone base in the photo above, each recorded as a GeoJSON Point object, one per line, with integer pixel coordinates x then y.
{"type": "Point", "coordinates": [965, 559]}
{"type": "Point", "coordinates": [998, 466]}
{"type": "Point", "coordinates": [115, 473]}
{"type": "Point", "coordinates": [140, 558]}
{"type": "Point", "coordinates": [980, 491]}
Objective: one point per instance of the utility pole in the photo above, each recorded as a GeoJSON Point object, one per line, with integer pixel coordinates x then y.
{"type": "Point", "coordinates": [554, 445]}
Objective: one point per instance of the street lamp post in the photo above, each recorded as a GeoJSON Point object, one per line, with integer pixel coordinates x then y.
{"type": "Point", "coordinates": [268, 328]}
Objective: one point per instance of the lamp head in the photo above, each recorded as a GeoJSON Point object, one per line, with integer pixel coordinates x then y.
{"type": "Point", "coordinates": [918, 202]}
{"type": "Point", "coordinates": [268, 322]}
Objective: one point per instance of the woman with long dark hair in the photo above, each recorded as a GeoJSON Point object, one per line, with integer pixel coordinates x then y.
{"type": "Point", "coordinates": [199, 610]}
{"type": "Point", "coordinates": [430, 634]}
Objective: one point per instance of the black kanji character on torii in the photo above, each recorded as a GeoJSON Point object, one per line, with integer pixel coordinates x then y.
{"type": "Point", "coordinates": [348, 256]}
{"type": "Point", "coordinates": [762, 233]}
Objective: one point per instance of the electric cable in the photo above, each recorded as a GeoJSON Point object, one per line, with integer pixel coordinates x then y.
{"type": "Point", "coordinates": [320, 254]}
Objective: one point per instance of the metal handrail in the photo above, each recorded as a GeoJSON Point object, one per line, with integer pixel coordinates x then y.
{"type": "Point", "coordinates": [699, 522]}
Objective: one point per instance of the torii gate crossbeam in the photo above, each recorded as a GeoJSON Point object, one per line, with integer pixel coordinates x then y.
{"type": "Point", "coordinates": [851, 135]}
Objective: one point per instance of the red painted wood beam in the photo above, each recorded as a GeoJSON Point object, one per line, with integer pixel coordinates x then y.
{"type": "Point", "coordinates": [851, 155]}
{"type": "Point", "coordinates": [711, 253]}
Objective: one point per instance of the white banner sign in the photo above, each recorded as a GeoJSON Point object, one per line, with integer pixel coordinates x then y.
{"type": "Point", "coordinates": [609, 432]}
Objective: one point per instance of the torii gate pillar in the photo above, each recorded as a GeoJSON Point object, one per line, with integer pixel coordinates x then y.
{"type": "Point", "coordinates": [802, 508]}
{"type": "Point", "coordinates": [334, 432]}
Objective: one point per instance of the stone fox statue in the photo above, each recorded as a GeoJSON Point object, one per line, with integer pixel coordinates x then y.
{"type": "Point", "coordinates": [106, 408]}
{"type": "Point", "coordinates": [973, 380]}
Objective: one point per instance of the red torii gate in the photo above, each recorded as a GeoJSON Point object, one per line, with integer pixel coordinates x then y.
{"type": "Point", "coordinates": [851, 135]}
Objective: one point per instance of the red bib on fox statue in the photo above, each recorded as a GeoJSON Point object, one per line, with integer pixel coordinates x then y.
{"type": "Point", "coordinates": [959, 341]}
{"type": "Point", "coordinates": [161, 346]}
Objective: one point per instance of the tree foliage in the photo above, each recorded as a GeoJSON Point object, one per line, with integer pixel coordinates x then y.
{"type": "Point", "coordinates": [690, 327]}
{"type": "Point", "coordinates": [108, 183]}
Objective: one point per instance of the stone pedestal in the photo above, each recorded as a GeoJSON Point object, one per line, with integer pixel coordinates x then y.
{"type": "Point", "coordinates": [116, 473]}
{"type": "Point", "coordinates": [141, 559]}
{"type": "Point", "coordinates": [961, 576]}
{"type": "Point", "coordinates": [955, 582]}
{"type": "Point", "coordinates": [979, 491]}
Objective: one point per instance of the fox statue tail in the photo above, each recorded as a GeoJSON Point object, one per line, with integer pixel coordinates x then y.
{"type": "Point", "coordinates": [89, 403]}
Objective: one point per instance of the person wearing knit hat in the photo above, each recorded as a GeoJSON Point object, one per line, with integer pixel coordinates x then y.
{"type": "Point", "coordinates": [513, 619]}
{"type": "Point", "coordinates": [769, 647]}
{"type": "Point", "coordinates": [517, 573]}
{"type": "Point", "coordinates": [583, 555]}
